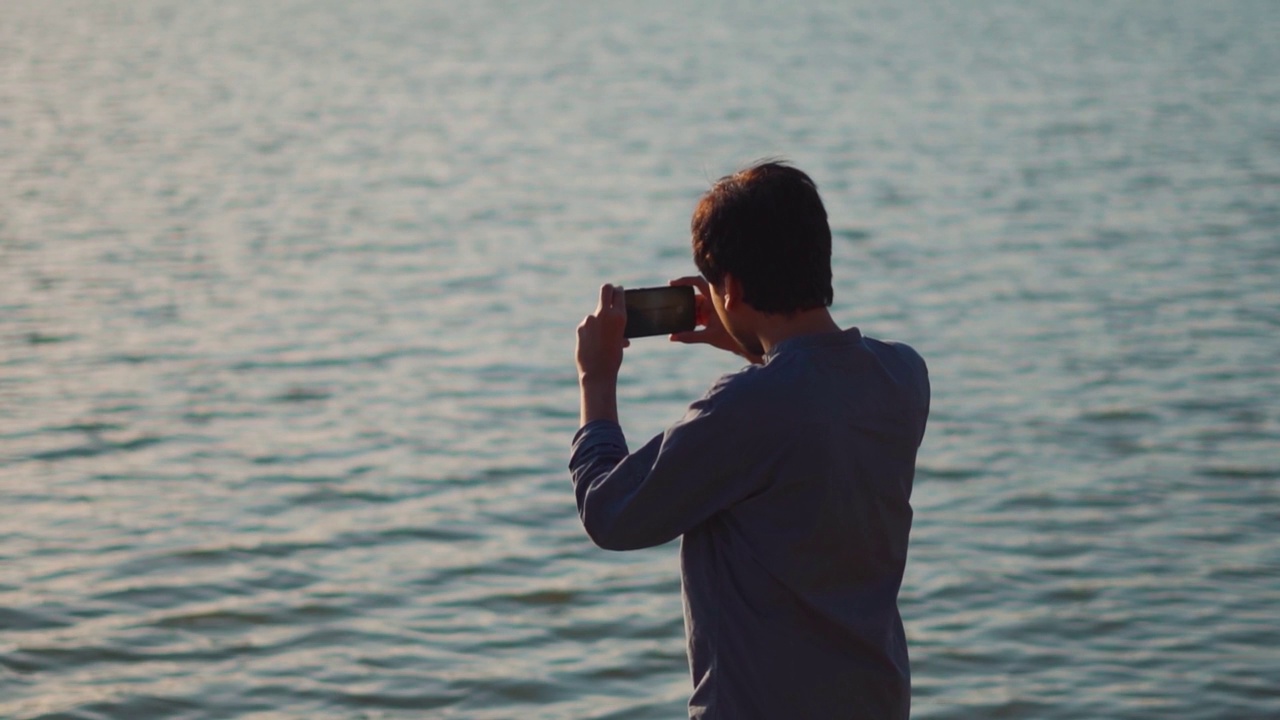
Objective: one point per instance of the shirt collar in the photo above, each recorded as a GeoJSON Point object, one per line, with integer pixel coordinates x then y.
{"type": "Point", "coordinates": [852, 336]}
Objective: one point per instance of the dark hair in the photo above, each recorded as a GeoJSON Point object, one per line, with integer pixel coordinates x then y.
{"type": "Point", "coordinates": [767, 227]}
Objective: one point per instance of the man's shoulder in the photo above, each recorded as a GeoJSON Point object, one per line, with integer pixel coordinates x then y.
{"type": "Point", "coordinates": [890, 345]}
{"type": "Point", "coordinates": [776, 390]}
{"type": "Point", "coordinates": [903, 355]}
{"type": "Point", "coordinates": [737, 383]}
{"type": "Point", "coordinates": [743, 389]}
{"type": "Point", "coordinates": [908, 371]}
{"type": "Point", "coordinates": [782, 376]}
{"type": "Point", "coordinates": [898, 349]}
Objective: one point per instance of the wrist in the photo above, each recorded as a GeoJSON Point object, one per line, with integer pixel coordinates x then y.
{"type": "Point", "coordinates": [597, 379]}
{"type": "Point", "coordinates": [599, 401]}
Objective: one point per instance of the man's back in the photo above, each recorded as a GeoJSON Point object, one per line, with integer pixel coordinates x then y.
{"type": "Point", "coordinates": [792, 592]}
{"type": "Point", "coordinates": [790, 484]}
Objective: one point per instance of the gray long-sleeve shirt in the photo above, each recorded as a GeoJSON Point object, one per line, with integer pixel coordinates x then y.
{"type": "Point", "coordinates": [790, 484]}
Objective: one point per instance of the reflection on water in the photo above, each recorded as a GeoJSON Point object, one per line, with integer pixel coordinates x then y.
{"type": "Point", "coordinates": [287, 303]}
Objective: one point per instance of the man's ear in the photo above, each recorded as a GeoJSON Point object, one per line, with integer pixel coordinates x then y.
{"type": "Point", "coordinates": [732, 292]}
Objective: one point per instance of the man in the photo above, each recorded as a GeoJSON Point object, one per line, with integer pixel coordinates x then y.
{"type": "Point", "coordinates": [789, 481]}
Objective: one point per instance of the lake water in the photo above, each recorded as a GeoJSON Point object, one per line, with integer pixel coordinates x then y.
{"type": "Point", "coordinates": [287, 298]}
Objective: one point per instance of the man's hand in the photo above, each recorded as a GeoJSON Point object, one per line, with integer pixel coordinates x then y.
{"type": "Point", "coordinates": [713, 332]}
{"type": "Point", "coordinates": [599, 355]}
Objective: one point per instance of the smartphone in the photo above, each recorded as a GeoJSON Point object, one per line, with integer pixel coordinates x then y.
{"type": "Point", "coordinates": [660, 311]}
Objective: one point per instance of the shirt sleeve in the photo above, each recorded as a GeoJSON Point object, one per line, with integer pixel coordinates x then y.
{"type": "Point", "coordinates": [706, 462]}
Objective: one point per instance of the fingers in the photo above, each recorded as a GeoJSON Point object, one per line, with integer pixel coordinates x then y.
{"type": "Point", "coordinates": [611, 296]}
{"type": "Point", "coordinates": [696, 281]}
{"type": "Point", "coordinates": [702, 310]}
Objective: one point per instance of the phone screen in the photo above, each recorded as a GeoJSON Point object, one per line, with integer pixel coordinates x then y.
{"type": "Point", "coordinates": [660, 311]}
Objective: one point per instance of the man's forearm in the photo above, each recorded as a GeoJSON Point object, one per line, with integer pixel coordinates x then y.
{"type": "Point", "coordinates": [599, 399]}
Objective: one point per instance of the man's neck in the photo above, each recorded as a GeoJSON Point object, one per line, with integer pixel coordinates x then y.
{"type": "Point", "coordinates": [775, 329]}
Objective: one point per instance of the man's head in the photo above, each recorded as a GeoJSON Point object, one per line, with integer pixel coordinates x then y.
{"type": "Point", "coordinates": [767, 228]}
